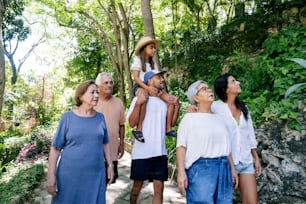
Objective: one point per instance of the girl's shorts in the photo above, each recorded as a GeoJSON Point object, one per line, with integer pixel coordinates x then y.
{"type": "Point", "coordinates": [245, 168]}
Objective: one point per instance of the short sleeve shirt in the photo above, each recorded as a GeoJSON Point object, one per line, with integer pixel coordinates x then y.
{"type": "Point", "coordinates": [136, 65]}
{"type": "Point", "coordinates": [153, 129]}
{"type": "Point", "coordinates": [113, 111]}
{"type": "Point", "coordinates": [203, 135]}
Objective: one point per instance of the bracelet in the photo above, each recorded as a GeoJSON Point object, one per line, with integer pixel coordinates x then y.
{"type": "Point", "coordinates": [110, 165]}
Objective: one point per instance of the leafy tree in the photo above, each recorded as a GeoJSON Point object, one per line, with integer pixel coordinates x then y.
{"type": "Point", "coordinates": [90, 59]}
{"type": "Point", "coordinates": [109, 22]}
{"type": "Point", "coordinates": [15, 31]}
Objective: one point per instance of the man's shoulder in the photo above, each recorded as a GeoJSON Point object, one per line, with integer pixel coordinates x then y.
{"type": "Point", "coordinates": [117, 100]}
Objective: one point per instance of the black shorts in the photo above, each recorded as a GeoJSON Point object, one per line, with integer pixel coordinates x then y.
{"type": "Point", "coordinates": [155, 168]}
{"type": "Point", "coordinates": [115, 164]}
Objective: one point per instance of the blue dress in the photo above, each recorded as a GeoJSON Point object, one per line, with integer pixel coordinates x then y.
{"type": "Point", "coordinates": [81, 170]}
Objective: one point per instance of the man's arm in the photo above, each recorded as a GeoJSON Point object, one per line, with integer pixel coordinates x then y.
{"type": "Point", "coordinates": [121, 144]}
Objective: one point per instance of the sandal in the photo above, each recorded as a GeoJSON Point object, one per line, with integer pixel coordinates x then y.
{"type": "Point", "coordinates": [171, 133]}
{"type": "Point", "coordinates": [138, 136]}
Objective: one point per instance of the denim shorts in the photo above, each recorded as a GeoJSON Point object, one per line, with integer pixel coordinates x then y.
{"type": "Point", "coordinates": [245, 168]}
{"type": "Point", "coordinates": [209, 181]}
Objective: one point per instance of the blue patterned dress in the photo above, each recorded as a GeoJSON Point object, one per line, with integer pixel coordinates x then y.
{"type": "Point", "coordinates": [81, 171]}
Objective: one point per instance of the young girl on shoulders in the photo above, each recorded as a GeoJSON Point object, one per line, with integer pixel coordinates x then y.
{"type": "Point", "coordinates": [142, 63]}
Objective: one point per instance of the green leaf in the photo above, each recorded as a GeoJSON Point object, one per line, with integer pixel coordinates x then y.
{"type": "Point", "coordinates": [293, 88]}
{"type": "Point", "coordinates": [300, 61]}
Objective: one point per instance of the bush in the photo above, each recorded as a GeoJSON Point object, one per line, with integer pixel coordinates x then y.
{"type": "Point", "coordinates": [10, 149]}
{"type": "Point", "coordinates": [20, 187]}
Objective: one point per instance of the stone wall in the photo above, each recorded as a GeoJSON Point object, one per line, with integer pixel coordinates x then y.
{"type": "Point", "coordinates": [283, 157]}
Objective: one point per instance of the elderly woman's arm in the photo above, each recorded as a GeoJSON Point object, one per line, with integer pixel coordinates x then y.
{"type": "Point", "coordinates": [51, 185]}
{"type": "Point", "coordinates": [110, 167]}
{"type": "Point", "coordinates": [233, 172]}
{"type": "Point", "coordinates": [182, 180]}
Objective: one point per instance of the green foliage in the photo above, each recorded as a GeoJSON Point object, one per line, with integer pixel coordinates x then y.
{"type": "Point", "coordinates": [13, 26]}
{"type": "Point", "coordinates": [293, 88]}
{"type": "Point", "coordinates": [19, 188]}
{"type": "Point", "coordinates": [90, 54]}
{"type": "Point", "coordinates": [288, 43]}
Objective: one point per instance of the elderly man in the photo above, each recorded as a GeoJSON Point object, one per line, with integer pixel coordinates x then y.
{"type": "Point", "coordinates": [113, 111]}
{"type": "Point", "coordinates": [149, 159]}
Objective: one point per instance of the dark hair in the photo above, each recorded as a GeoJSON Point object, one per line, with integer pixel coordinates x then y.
{"type": "Point", "coordinates": [220, 87]}
{"type": "Point", "coordinates": [80, 90]}
{"type": "Point", "coordinates": [142, 57]}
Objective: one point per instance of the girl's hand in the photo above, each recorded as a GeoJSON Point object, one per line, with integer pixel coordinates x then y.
{"type": "Point", "coordinates": [169, 99]}
{"type": "Point", "coordinates": [152, 91]}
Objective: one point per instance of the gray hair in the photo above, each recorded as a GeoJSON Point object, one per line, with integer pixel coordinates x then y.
{"type": "Point", "coordinates": [100, 75]}
{"type": "Point", "coordinates": [193, 90]}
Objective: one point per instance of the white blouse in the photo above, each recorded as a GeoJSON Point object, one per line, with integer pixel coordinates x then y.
{"type": "Point", "coordinates": [203, 135]}
{"type": "Point", "coordinates": [242, 135]}
{"type": "Point", "coordinates": [136, 65]}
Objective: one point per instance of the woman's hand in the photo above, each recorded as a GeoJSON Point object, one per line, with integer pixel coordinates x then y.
{"type": "Point", "coordinates": [51, 185]}
{"type": "Point", "coordinates": [257, 167]}
{"type": "Point", "coordinates": [182, 181]}
{"type": "Point", "coordinates": [192, 109]}
{"type": "Point", "coordinates": [110, 173]}
{"type": "Point", "coordinates": [235, 179]}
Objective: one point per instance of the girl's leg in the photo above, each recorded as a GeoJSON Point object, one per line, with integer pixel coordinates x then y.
{"type": "Point", "coordinates": [142, 115]}
{"type": "Point", "coordinates": [247, 188]}
{"type": "Point", "coordinates": [138, 133]}
{"type": "Point", "coordinates": [170, 113]}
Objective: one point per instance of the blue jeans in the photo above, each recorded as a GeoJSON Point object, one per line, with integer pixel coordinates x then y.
{"type": "Point", "coordinates": [209, 181]}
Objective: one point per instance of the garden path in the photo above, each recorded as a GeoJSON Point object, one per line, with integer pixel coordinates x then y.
{"type": "Point", "coordinates": [119, 192]}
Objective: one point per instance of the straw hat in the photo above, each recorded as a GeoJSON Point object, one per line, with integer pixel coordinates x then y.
{"type": "Point", "coordinates": [145, 41]}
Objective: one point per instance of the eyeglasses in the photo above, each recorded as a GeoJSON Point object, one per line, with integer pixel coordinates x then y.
{"type": "Point", "coordinates": [204, 88]}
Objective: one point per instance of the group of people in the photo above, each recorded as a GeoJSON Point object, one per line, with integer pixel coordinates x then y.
{"type": "Point", "coordinates": [216, 144]}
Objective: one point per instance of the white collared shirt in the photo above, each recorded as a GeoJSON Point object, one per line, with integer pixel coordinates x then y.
{"type": "Point", "coordinates": [242, 135]}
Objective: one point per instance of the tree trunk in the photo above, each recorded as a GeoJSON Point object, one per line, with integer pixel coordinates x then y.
{"type": "Point", "coordinates": [147, 20]}
{"type": "Point", "coordinates": [117, 52]}
{"type": "Point", "coordinates": [14, 69]}
{"type": "Point", "coordinates": [125, 45]}
{"type": "Point", "coordinates": [3, 5]}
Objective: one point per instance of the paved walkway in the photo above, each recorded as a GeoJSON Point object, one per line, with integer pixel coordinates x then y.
{"type": "Point", "coordinates": [119, 193]}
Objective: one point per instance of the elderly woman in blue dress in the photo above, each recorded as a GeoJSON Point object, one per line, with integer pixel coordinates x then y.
{"type": "Point", "coordinates": [76, 171]}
